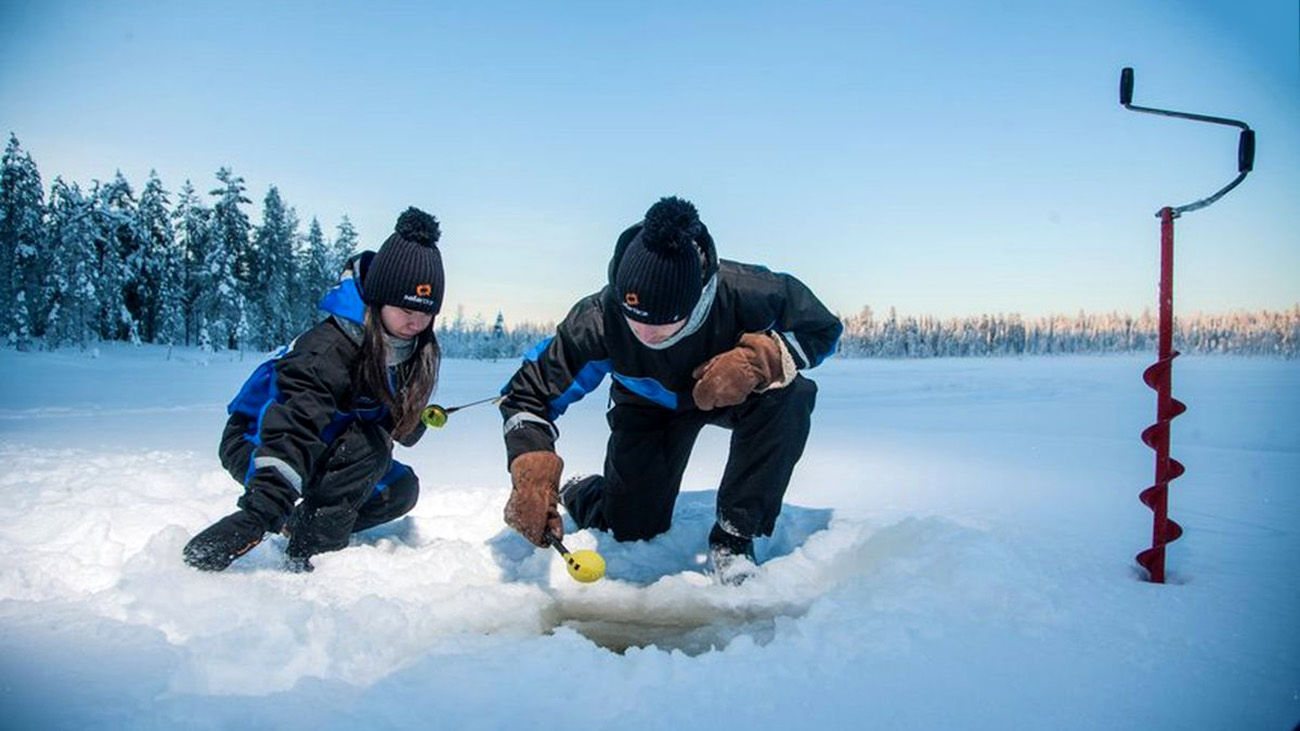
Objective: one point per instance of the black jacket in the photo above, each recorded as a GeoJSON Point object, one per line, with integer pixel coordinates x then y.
{"type": "Point", "coordinates": [594, 339]}
{"type": "Point", "coordinates": [295, 404]}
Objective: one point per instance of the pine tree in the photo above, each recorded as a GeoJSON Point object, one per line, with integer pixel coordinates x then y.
{"type": "Point", "coordinates": [133, 246]}
{"type": "Point", "coordinates": [219, 307]}
{"type": "Point", "coordinates": [24, 253]}
{"type": "Point", "coordinates": [315, 274]}
{"type": "Point", "coordinates": [227, 264]}
{"type": "Point", "coordinates": [293, 293]}
{"type": "Point", "coordinates": [115, 239]}
{"type": "Point", "coordinates": [74, 292]}
{"type": "Point", "coordinates": [192, 225]}
{"type": "Point", "coordinates": [155, 275]}
{"type": "Point", "coordinates": [271, 274]}
{"type": "Point", "coordinates": [345, 244]}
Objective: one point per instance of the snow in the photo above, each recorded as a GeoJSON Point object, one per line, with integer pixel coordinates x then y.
{"type": "Point", "coordinates": [956, 551]}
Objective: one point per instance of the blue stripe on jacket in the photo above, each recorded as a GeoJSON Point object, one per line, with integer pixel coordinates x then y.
{"type": "Point", "coordinates": [589, 378]}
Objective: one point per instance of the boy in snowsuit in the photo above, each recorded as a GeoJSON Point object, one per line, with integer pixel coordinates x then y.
{"type": "Point", "coordinates": [689, 340]}
{"type": "Point", "coordinates": [310, 434]}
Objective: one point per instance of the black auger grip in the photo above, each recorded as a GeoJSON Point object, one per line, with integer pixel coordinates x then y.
{"type": "Point", "coordinates": [1246, 151]}
{"type": "Point", "coordinates": [1126, 86]}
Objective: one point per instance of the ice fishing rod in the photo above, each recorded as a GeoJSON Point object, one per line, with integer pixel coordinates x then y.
{"type": "Point", "coordinates": [1159, 375]}
{"type": "Point", "coordinates": [435, 415]}
{"type": "Point", "coordinates": [584, 564]}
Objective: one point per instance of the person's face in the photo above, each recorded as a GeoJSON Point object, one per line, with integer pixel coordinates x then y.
{"type": "Point", "coordinates": [403, 323]}
{"type": "Point", "coordinates": [653, 334]}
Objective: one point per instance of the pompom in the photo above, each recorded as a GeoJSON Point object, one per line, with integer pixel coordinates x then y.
{"type": "Point", "coordinates": [418, 226]}
{"type": "Point", "coordinates": [671, 225]}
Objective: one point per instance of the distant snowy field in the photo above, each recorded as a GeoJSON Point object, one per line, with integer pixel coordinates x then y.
{"type": "Point", "coordinates": [955, 552]}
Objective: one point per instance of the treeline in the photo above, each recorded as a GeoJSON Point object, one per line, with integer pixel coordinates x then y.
{"type": "Point", "coordinates": [100, 263]}
{"type": "Point", "coordinates": [474, 338]}
{"type": "Point", "coordinates": [894, 336]}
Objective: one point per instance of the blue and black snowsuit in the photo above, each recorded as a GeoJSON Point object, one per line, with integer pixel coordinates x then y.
{"type": "Point", "coordinates": [653, 420]}
{"type": "Point", "coordinates": [300, 429]}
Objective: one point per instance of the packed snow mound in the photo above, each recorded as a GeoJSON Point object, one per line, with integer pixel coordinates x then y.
{"type": "Point", "coordinates": [108, 531]}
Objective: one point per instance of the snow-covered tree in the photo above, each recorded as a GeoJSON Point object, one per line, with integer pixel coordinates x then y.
{"type": "Point", "coordinates": [269, 304]}
{"type": "Point", "coordinates": [74, 278]}
{"type": "Point", "coordinates": [157, 273]}
{"type": "Point", "coordinates": [294, 296]}
{"type": "Point", "coordinates": [116, 238]}
{"type": "Point", "coordinates": [227, 264]}
{"type": "Point", "coordinates": [24, 251]}
{"type": "Point", "coordinates": [193, 231]}
{"type": "Point", "coordinates": [316, 273]}
{"type": "Point", "coordinates": [345, 244]}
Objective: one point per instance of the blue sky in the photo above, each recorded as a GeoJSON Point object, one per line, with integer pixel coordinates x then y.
{"type": "Point", "coordinates": [944, 158]}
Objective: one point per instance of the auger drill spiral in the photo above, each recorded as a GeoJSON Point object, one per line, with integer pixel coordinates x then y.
{"type": "Point", "coordinates": [1159, 375]}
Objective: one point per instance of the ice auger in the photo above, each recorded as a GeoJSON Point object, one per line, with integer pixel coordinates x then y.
{"type": "Point", "coordinates": [1159, 375]}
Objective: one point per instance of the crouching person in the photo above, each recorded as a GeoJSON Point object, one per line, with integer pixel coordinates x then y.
{"type": "Point", "coordinates": [689, 340]}
{"type": "Point", "coordinates": [311, 433]}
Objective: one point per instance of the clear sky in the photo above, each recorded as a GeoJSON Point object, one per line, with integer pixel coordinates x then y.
{"type": "Point", "coordinates": [943, 157]}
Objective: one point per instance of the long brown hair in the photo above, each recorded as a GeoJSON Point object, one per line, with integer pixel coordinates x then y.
{"type": "Point", "coordinates": [406, 399]}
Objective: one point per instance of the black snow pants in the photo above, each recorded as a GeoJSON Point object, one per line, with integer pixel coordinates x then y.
{"type": "Point", "coordinates": [649, 447]}
{"type": "Point", "coordinates": [356, 485]}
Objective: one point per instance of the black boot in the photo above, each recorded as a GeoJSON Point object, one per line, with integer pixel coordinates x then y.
{"type": "Point", "coordinates": [581, 497]}
{"type": "Point", "coordinates": [731, 558]}
{"type": "Point", "coordinates": [224, 541]}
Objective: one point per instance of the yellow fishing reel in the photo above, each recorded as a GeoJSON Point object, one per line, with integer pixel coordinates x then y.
{"type": "Point", "coordinates": [434, 416]}
{"type": "Point", "coordinates": [584, 565]}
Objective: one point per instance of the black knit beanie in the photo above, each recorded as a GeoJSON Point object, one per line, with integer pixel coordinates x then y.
{"type": "Point", "coordinates": [407, 271]}
{"type": "Point", "coordinates": [660, 276]}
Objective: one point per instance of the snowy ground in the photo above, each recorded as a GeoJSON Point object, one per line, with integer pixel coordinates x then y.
{"type": "Point", "coordinates": [956, 552]}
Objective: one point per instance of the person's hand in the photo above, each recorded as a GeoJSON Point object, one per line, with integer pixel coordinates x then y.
{"type": "Point", "coordinates": [531, 509]}
{"type": "Point", "coordinates": [728, 378]}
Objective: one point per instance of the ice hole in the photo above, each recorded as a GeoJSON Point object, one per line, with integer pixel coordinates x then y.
{"type": "Point", "coordinates": [693, 636]}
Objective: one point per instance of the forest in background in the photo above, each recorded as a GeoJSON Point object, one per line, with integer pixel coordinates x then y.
{"type": "Point", "coordinates": [83, 265]}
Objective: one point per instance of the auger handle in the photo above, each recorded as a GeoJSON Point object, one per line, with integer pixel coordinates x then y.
{"type": "Point", "coordinates": [1245, 143]}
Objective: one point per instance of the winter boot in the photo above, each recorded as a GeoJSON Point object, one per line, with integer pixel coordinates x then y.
{"type": "Point", "coordinates": [581, 498]}
{"type": "Point", "coordinates": [731, 558]}
{"type": "Point", "coordinates": [219, 544]}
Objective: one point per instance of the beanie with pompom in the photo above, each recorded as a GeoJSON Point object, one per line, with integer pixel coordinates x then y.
{"type": "Point", "coordinates": [407, 271]}
{"type": "Point", "coordinates": [661, 274]}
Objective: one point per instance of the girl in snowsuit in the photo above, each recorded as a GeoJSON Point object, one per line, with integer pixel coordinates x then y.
{"type": "Point", "coordinates": [310, 434]}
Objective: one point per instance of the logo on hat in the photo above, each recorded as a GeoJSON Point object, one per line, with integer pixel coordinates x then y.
{"type": "Point", "coordinates": [631, 299]}
{"type": "Point", "coordinates": [423, 290]}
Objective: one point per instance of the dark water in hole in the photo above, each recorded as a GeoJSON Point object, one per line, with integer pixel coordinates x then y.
{"type": "Point", "coordinates": [694, 636]}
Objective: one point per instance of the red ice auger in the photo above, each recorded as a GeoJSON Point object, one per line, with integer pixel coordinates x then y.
{"type": "Point", "coordinates": [1158, 375]}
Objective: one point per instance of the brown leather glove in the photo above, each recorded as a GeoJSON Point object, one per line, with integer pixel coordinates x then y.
{"type": "Point", "coordinates": [728, 378]}
{"type": "Point", "coordinates": [531, 509]}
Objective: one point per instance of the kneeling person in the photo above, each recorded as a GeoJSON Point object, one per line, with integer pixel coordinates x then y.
{"type": "Point", "coordinates": [310, 434]}
{"type": "Point", "coordinates": [689, 340]}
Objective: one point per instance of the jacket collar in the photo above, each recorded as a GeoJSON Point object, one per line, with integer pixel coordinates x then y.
{"type": "Point", "coordinates": [343, 300]}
